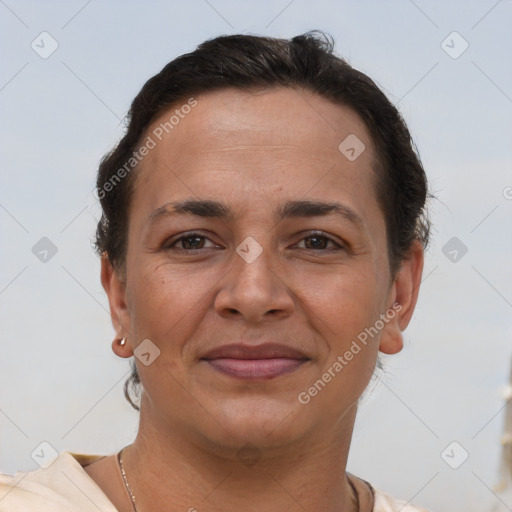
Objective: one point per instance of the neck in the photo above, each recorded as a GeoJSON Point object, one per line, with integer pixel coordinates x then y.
{"type": "Point", "coordinates": [175, 469]}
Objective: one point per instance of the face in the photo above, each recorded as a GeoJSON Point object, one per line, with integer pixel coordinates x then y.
{"type": "Point", "coordinates": [278, 238]}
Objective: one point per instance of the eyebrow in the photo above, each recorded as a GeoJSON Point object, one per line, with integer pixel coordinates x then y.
{"type": "Point", "coordinates": [290, 209]}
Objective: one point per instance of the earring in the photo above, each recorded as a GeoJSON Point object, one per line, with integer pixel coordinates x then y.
{"type": "Point", "coordinates": [122, 342]}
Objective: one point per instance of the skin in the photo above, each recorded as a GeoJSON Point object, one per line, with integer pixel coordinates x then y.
{"type": "Point", "coordinates": [253, 151]}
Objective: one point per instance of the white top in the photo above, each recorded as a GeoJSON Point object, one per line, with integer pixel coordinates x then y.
{"type": "Point", "coordinates": [64, 486]}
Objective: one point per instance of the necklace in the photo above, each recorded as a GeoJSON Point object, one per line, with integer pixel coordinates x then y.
{"type": "Point", "coordinates": [125, 480]}
{"type": "Point", "coordinates": [132, 497]}
{"type": "Point", "coordinates": [354, 491]}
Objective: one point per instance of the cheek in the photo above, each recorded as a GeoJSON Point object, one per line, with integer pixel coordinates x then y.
{"type": "Point", "coordinates": [166, 304]}
{"type": "Point", "coordinates": [340, 313]}
{"type": "Point", "coordinates": [344, 301]}
{"type": "Point", "coordinates": [342, 309]}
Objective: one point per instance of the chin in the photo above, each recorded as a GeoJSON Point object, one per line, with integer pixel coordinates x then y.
{"type": "Point", "coordinates": [264, 422]}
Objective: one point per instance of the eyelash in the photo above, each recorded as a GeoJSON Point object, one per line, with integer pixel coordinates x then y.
{"type": "Point", "coordinates": [313, 234]}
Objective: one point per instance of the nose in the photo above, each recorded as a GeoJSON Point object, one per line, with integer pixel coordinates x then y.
{"type": "Point", "coordinates": [254, 290]}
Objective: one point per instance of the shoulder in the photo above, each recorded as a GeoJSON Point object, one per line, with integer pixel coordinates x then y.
{"type": "Point", "coordinates": [61, 486]}
{"type": "Point", "coordinates": [386, 503]}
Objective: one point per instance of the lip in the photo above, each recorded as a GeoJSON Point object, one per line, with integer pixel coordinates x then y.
{"type": "Point", "coordinates": [262, 351]}
{"type": "Point", "coordinates": [264, 361]}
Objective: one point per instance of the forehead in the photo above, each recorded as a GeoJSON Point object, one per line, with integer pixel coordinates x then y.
{"type": "Point", "coordinates": [266, 118]}
{"type": "Point", "coordinates": [260, 130]}
{"type": "Point", "coordinates": [254, 147]}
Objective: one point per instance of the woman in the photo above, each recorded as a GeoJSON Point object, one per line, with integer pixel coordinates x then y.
{"type": "Point", "coordinates": [261, 241]}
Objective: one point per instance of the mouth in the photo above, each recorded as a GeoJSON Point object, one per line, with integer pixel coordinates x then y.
{"type": "Point", "coordinates": [264, 361]}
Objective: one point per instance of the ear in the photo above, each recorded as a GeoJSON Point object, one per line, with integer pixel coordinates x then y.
{"type": "Point", "coordinates": [115, 287]}
{"type": "Point", "coordinates": [402, 300]}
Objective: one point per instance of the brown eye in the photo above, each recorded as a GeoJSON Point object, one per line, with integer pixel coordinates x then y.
{"type": "Point", "coordinates": [190, 242]}
{"type": "Point", "coordinates": [318, 241]}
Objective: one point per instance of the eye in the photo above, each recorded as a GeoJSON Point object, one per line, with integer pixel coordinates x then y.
{"type": "Point", "coordinates": [319, 241]}
{"type": "Point", "coordinates": [189, 242]}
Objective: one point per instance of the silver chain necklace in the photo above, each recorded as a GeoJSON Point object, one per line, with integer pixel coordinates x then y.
{"type": "Point", "coordinates": [132, 497]}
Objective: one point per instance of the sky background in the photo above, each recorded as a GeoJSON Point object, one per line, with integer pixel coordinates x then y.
{"type": "Point", "coordinates": [60, 383]}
